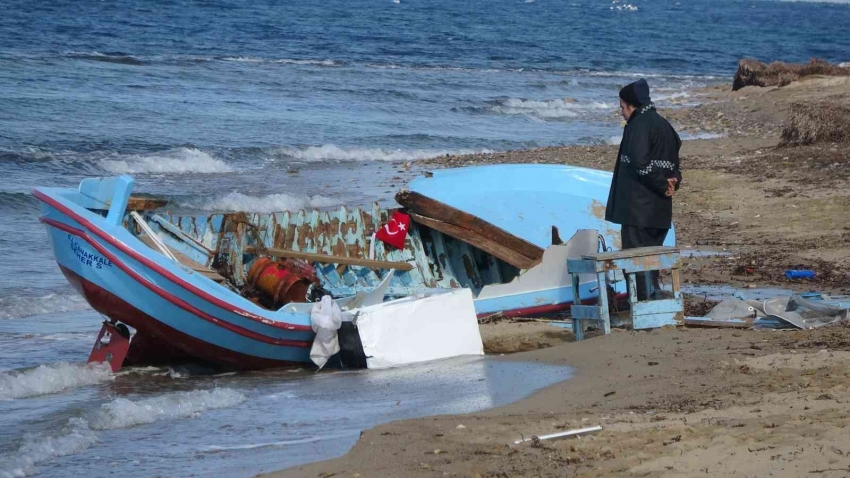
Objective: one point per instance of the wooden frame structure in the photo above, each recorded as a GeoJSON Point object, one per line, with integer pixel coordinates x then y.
{"type": "Point", "coordinates": [645, 314]}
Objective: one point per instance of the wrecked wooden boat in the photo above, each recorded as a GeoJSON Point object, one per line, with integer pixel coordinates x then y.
{"type": "Point", "coordinates": [234, 289]}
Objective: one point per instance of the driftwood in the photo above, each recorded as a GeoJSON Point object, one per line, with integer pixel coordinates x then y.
{"type": "Point", "coordinates": [460, 221]}
{"type": "Point", "coordinates": [329, 259]}
{"type": "Point", "coordinates": [720, 324]}
{"type": "Point", "coordinates": [480, 241]}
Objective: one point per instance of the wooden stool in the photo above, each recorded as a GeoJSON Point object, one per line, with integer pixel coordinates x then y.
{"type": "Point", "coordinates": [645, 314]}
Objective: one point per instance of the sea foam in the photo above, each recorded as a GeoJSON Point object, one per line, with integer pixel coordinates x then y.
{"type": "Point", "coordinates": [79, 433]}
{"type": "Point", "coordinates": [53, 378]}
{"type": "Point", "coordinates": [330, 152]}
{"type": "Point", "coordinates": [235, 201]}
{"type": "Point", "coordinates": [178, 160]}
{"type": "Point", "coordinates": [75, 438]}
{"type": "Point", "coordinates": [124, 413]}
{"type": "Point", "coordinates": [547, 109]}
{"type": "Point", "coordinates": [16, 307]}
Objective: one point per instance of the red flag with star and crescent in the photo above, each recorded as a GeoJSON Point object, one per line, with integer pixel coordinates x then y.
{"type": "Point", "coordinates": [394, 232]}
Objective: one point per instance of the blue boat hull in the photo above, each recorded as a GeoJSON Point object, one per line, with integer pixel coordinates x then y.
{"type": "Point", "coordinates": [164, 302]}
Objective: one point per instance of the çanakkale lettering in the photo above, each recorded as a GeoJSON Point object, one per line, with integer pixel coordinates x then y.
{"type": "Point", "coordinates": [87, 258]}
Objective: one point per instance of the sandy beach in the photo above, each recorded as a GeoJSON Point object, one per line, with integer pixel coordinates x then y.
{"type": "Point", "coordinates": [677, 402]}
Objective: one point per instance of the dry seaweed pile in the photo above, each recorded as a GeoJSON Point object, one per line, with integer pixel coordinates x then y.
{"type": "Point", "coordinates": [756, 73]}
{"type": "Point", "coordinates": [817, 122]}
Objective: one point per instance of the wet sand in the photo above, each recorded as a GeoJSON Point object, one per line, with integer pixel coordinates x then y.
{"type": "Point", "coordinates": [678, 402]}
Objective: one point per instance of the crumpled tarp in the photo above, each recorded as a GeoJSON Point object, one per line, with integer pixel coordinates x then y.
{"type": "Point", "coordinates": [780, 312]}
{"type": "Point", "coordinates": [804, 313]}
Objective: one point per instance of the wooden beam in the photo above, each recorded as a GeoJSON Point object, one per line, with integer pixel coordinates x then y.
{"type": "Point", "coordinates": [720, 324]}
{"type": "Point", "coordinates": [145, 203]}
{"type": "Point", "coordinates": [329, 259]}
{"type": "Point", "coordinates": [632, 253]}
{"type": "Point", "coordinates": [480, 241]}
{"type": "Point", "coordinates": [436, 210]}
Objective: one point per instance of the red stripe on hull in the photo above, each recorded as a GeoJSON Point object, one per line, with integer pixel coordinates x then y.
{"type": "Point", "coordinates": [162, 342]}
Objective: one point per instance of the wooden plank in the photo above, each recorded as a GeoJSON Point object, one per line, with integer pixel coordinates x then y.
{"type": "Point", "coordinates": [723, 324]}
{"type": "Point", "coordinates": [675, 280]}
{"type": "Point", "coordinates": [183, 259]}
{"type": "Point", "coordinates": [436, 210]}
{"type": "Point", "coordinates": [329, 259]}
{"type": "Point", "coordinates": [640, 264]}
{"type": "Point", "coordinates": [652, 307]}
{"type": "Point", "coordinates": [653, 321]}
{"type": "Point", "coordinates": [631, 253]}
{"type": "Point", "coordinates": [485, 243]}
{"type": "Point", "coordinates": [168, 226]}
{"type": "Point", "coordinates": [583, 266]}
{"type": "Point", "coordinates": [145, 203]}
{"type": "Point", "coordinates": [585, 312]}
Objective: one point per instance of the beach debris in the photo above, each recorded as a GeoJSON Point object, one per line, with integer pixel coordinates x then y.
{"type": "Point", "coordinates": [799, 274]}
{"type": "Point", "coordinates": [569, 433]}
{"type": "Point", "coordinates": [325, 319]}
{"type": "Point", "coordinates": [804, 311]}
{"type": "Point", "coordinates": [419, 328]}
{"type": "Point", "coordinates": [460, 427]}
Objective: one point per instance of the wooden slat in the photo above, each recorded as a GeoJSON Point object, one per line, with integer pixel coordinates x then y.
{"type": "Point", "coordinates": [725, 324]}
{"type": "Point", "coordinates": [144, 203]}
{"type": "Point", "coordinates": [429, 208]}
{"type": "Point", "coordinates": [183, 259]}
{"type": "Point", "coordinates": [329, 259]}
{"type": "Point", "coordinates": [631, 253]}
{"type": "Point", "coordinates": [480, 241]}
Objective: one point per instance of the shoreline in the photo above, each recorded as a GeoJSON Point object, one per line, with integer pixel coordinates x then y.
{"type": "Point", "coordinates": [680, 402]}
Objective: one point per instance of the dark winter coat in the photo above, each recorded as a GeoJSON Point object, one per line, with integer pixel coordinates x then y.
{"type": "Point", "coordinates": [648, 156]}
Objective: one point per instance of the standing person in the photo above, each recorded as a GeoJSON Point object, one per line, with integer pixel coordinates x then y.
{"type": "Point", "coordinates": [646, 175]}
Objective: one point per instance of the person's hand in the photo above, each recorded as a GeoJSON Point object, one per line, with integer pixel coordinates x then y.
{"type": "Point", "coordinates": [671, 187]}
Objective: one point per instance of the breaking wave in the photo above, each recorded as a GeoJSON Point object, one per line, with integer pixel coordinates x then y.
{"type": "Point", "coordinates": [18, 307]}
{"type": "Point", "coordinates": [75, 438]}
{"type": "Point", "coordinates": [178, 160]}
{"type": "Point", "coordinates": [124, 413]}
{"type": "Point", "coordinates": [235, 201]}
{"type": "Point", "coordinates": [54, 378]}
{"type": "Point", "coordinates": [79, 434]}
{"type": "Point", "coordinates": [330, 152]}
{"type": "Point", "coordinates": [547, 109]}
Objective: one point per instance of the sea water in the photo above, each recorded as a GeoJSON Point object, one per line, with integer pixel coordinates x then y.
{"type": "Point", "coordinates": [227, 105]}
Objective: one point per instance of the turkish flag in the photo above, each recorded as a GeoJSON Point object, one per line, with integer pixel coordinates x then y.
{"type": "Point", "coordinates": [395, 231]}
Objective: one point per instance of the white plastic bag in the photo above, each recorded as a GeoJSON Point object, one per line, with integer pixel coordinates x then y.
{"type": "Point", "coordinates": [325, 319]}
